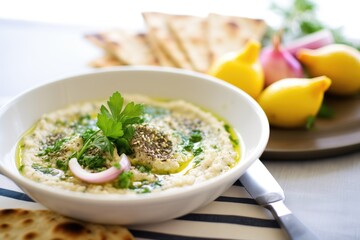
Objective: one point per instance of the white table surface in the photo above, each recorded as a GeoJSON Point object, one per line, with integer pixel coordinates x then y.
{"type": "Point", "coordinates": [323, 193]}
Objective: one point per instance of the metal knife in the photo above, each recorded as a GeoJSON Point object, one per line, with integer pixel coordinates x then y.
{"type": "Point", "coordinates": [263, 187]}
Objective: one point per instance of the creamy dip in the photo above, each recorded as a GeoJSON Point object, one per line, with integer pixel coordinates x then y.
{"type": "Point", "coordinates": [177, 144]}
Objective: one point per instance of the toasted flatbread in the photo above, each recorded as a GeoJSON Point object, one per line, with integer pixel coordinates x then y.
{"type": "Point", "coordinates": [105, 61]}
{"type": "Point", "coordinates": [45, 225]}
{"type": "Point", "coordinates": [230, 33]}
{"type": "Point", "coordinates": [164, 41]}
{"type": "Point", "coordinates": [100, 41]}
{"type": "Point", "coordinates": [128, 48]}
{"type": "Point", "coordinates": [191, 34]}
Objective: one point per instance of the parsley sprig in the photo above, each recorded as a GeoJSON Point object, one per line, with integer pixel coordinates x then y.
{"type": "Point", "coordinates": [117, 123]}
{"type": "Point", "coordinates": [116, 129]}
{"type": "Point", "coordinates": [300, 18]}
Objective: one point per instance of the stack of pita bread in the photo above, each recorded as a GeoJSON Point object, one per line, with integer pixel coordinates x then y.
{"type": "Point", "coordinates": [182, 41]}
{"type": "Point", "coordinates": [45, 225]}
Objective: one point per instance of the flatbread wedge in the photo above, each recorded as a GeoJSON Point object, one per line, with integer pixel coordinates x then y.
{"type": "Point", "coordinates": [100, 41]}
{"type": "Point", "coordinates": [129, 48]}
{"type": "Point", "coordinates": [163, 41]}
{"type": "Point", "coordinates": [45, 225]}
{"type": "Point", "coordinates": [191, 34]}
{"type": "Point", "coordinates": [230, 33]}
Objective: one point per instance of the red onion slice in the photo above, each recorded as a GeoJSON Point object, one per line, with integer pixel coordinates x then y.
{"type": "Point", "coordinates": [312, 41]}
{"type": "Point", "coordinates": [99, 177]}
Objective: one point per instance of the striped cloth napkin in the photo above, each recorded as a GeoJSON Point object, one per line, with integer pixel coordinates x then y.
{"type": "Point", "coordinates": [234, 215]}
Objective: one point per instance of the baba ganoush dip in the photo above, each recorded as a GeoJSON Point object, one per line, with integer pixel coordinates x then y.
{"type": "Point", "coordinates": [168, 144]}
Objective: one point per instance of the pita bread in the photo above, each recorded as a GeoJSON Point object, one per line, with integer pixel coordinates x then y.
{"type": "Point", "coordinates": [98, 40]}
{"type": "Point", "coordinates": [158, 53]}
{"type": "Point", "coordinates": [163, 40]}
{"type": "Point", "coordinates": [105, 61]}
{"type": "Point", "coordinates": [192, 40]}
{"type": "Point", "coordinates": [230, 33]}
{"type": "Point", "coordinates": [129, 48]}
{"type": "Point", "coordinates": [44, 225]}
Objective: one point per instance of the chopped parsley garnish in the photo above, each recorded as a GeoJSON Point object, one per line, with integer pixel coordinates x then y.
{"type": "Point", "coordinates": [51, 149]}
{"type": "Point", "coordinates": [197, 151]}
{"type": "Point", "coordinates": [44, 170]}
{"type": "Point", "coordinates": [124, 180]}
{"type": "Point", "coordinates": [62, 165]}
{"type": "Point", "coordinates": [146, 187]}
{"type": "Point", "coordinates": [195, 136]}
{"type": "Point", "coordinates": [116, 129]}
{"type": "Point", "coordinates": [197, 161]}
{"type": "Point", "coordinates": [143, 169]}
{"type": "Point", "coordinates": [92, 161]}
{"type": "Point", "coordinates": [116, 123]}
{"type": "Point", "coordinates": [192, 143]}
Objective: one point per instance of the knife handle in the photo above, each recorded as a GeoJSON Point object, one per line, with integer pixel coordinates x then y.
{"type": "Point", "coordinates": [290, 223]}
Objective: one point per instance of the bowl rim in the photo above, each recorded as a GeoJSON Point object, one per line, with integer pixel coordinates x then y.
{"type": "Point", "coordinates": [25, 183]}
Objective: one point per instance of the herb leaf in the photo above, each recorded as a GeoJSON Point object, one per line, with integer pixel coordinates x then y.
{"type": "Point", "coordinates": [310, 122]}
{"type": "Point", "coordinates": [124, 180]}
{"type": "Point", "coordinates": [117, 124]}
{"type": "Point", "coordinates": [115, 130]}
{"type": "Point", "coordinates": [109, 126]}
{"type": "Point", "coordinates": [104, 144]}
{"type": "Point", "coordinates": [115, 104]}
{"type": "Point", "coordinates": [52, 149]}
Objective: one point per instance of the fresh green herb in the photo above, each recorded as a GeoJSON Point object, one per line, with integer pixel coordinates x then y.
{"type": "Point", "coordinates": [143, 169]}
{"type": "Point", "coordinates": [189, 147]}
{"type": "Point", "coordinates": [143, 190]}
{"type": "Point", "coordinates": [52, 148]}
{"type": "Point", "coordinates": [88, 139]}
{"type": "Point", "coordinates": [44, 170]}
{"type": "Point", "coordinates": [300, 19]}
{"type": "Point", "coordinates": [92, 162]}
{"type": "Point", "coordinates": [21, 168]}
{"type": "Point", "coordinates": [117, 165]}
{"type": "Point", "coordinates": [234, 141]}
{"type": "Point", "coordinates": [116, 129]}
{"type": "Point", "coordinates": [227, 128]}
{"type": "Point", "coordinates": [195, 136]}
{"type": "Point", "coordinates": [191, 143]}
{"type": "Point", "coordinates": [146, 186]}
{"type": "Point", "coordinates": [215, 147]}
{"type": "Point", "coordinates": [310, 121]}
{"type": "Point", "coordinates": [62, 165]}
{"type": "Point", "coordinates": [124, 180]}
{"type": "Point", "coordinates": [117, 124]}
{"type": "Point", "coordinates": [326, 111]}
{"type": "Point", "coordinates": [197, 161]}
{"type": "Point", "coordinates": [197, 151]}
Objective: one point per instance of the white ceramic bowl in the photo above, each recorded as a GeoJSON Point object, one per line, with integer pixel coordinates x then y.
{"type": "Point", "coordinates": [242, 112]}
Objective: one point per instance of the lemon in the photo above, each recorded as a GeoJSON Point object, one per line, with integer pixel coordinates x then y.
{"type": "Point", "coordinates": [289, 102]}
{"type": "Point", "coordinates": [341, 63]}
{"type": "Point", "coordinates": [242, 69]}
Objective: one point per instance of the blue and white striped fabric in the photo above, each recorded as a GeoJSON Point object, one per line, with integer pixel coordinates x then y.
{"type": "Point", "coordinates": [234, 215]}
